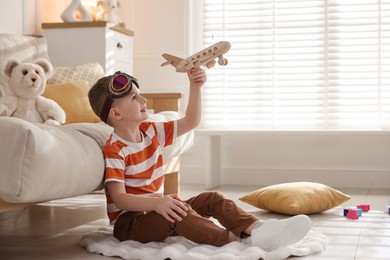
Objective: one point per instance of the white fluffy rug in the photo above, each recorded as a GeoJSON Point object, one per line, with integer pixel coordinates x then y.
{"type": "Point", "coordinates": [103, 242]}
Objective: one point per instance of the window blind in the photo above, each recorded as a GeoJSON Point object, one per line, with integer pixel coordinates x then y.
{"type": "Point", "coordinates": [299, 64]}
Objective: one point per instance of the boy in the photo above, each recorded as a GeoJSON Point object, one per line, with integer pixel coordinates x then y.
{"type": "Point", "coordinates": [134, 177]}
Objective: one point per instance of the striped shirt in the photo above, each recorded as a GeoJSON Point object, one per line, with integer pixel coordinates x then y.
{"type": "Point", "coordinates": [139, 166]}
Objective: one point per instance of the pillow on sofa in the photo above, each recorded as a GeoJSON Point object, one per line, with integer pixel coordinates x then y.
{"type": "Point", "coordinates": [296, 198]}
{"type": "Point", "coordinates": [73, 98]}
{"type": "Point", "coordinates": [90, 72]}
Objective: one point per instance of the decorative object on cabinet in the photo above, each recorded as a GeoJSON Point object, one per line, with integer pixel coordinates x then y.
{"type": "Point", "coordinates": [107, 12]}
{"type": "Point", "coordinates": [87, 42]}
{"type": "Point", "coordinates": [76, 12]}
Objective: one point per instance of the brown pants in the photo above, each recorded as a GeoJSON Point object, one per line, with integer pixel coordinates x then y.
{"type": "Point", "coordinates": [196, 226]}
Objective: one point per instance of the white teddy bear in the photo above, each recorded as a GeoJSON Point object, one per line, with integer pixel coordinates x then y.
{"type": "Point", "coordinates": [107, 11]}
{"type": "Point", "coordinates": [27, 82]}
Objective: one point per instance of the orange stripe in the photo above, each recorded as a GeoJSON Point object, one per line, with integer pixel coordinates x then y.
{"type": "Point", "coordinates": [113, 148]}
{"type": "Point", "coordinates": [147, 174]}
{"type": "Point", "coordinates": [169, 131]}
{"type": "Point", "coordinates": [141, 156]}
{"type": "Point", "coordinates": [114, 173]}
{"type": "Point", "coordinates": [144, 126]}
{"type": "Point", "coordinates": [151, 188]}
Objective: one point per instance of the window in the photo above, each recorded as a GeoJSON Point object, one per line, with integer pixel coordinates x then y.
{"type": "Point", "coordinates": [299, 65]}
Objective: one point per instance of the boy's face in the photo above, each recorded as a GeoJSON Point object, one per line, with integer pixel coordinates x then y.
{"type": "Point", "coordinates": [132, 107]}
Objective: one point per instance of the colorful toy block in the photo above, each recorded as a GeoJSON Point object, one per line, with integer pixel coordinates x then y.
{"type": "Point", "coordinates": [352, 214]}
{"type": "Point", "coordinates": [387, 209]}
{"type": "Point", "coordinates": [356, 212]}
{"type": "Point", "coordinates": [364, 207]}
{"type": "Point", "coordinates": [359, 211]}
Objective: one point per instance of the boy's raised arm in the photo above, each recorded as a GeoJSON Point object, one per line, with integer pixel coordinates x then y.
{"type": "Point", "coordinates": [193, 113]}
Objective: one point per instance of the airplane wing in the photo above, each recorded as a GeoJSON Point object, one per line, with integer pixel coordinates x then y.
{"type": "Point", "coordinates": [173, 60]}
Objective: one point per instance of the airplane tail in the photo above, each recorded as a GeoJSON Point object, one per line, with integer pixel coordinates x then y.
{"type": "Point", "coordinates": [173, 60]}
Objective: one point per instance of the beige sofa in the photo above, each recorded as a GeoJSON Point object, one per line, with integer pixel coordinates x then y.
{"type": "Point", "coordinates": [42, 162]}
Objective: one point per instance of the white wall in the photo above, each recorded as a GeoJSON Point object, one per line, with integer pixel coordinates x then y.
{"type": "Point", "coordinates": [340, 159]}
{"type": "Point", "coordinates": [18, 16]}
{"type": "Point", "coordinates": [163, 28]}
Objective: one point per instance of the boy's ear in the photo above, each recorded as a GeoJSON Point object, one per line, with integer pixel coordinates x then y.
{"type": "Point", "coordinates": [115, 114]}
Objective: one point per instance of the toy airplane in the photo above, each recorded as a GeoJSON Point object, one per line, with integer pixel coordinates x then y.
{"type": "Point", "coordinates": [205, 57]}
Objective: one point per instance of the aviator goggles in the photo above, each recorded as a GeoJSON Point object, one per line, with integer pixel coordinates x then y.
{"type": "Point", "coordinates": [119, 86]}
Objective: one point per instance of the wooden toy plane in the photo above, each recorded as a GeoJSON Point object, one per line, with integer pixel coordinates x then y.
{"type": "Point", "coordinates": [205, 57]}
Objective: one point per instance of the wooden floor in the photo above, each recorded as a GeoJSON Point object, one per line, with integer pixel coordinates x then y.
{"type": "Point", "coordinates": [52, 230]}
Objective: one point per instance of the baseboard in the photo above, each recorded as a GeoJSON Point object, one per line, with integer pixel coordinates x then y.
{"type": "Point", "coordinates": [265, 177]}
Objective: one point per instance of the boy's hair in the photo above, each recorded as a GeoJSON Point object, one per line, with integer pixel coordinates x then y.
{"type": "Point", "coordinates": [98, 94]}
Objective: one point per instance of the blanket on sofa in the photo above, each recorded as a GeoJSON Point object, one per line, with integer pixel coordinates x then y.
{"type": "Point", "coordinates": [103, 242]}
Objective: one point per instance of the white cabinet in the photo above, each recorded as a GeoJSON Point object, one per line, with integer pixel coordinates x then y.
{"type": "Point", "coordinates": [72, 44]}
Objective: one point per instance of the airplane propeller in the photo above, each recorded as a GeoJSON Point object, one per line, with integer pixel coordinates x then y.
{"type": "Point", "coordinates": [222, 61]}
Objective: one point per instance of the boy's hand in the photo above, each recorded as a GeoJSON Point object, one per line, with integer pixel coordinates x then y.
{"type": "Point", "coordinates": [171, 207]}
{"type": "Point", "coordinates": [197, 77]}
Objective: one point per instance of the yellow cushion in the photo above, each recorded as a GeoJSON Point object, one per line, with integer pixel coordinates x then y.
{"type": "Point", "coordinates": [73, 98]}
{"type": "Point", "coordinates": [296, 198]}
